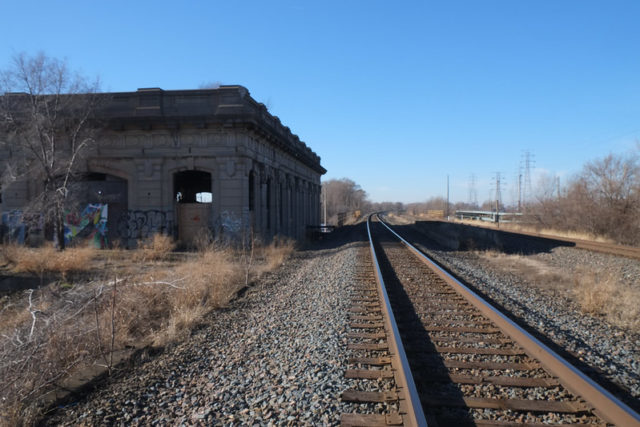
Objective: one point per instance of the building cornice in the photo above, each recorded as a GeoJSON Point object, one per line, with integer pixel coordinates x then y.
{"type": "Point", "coordinates": [227, 106]}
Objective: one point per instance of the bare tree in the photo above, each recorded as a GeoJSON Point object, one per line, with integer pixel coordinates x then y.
{"type": "Point", "coordinates": [602, 200]}
{"type": "Point", "coordinates": [45, 123]}
{"type": "Point", "coordinates": [343, 195]}
{"type": "Point", "coordinates": [610, 189]}
{"type": "Point", "coordinates": [547, 209]}
{"type": "Point", "coordinates": [432, 204]}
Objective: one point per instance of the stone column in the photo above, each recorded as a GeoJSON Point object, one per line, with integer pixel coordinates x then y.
{"type": "Point", "coordinates": [262, 223]}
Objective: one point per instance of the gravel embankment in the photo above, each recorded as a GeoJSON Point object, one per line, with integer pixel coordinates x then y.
{"type": "Point", "coordinates": [276, 356]}
{"type": "Point", "coordinates": [555, 315]}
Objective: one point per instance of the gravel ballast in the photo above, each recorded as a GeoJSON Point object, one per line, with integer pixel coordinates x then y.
{"type": "Point", "coordinates": [276, 356]}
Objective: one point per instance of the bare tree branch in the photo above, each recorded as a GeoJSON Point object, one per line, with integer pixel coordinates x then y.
{"type": "Point", "coordinates": [46, 113]}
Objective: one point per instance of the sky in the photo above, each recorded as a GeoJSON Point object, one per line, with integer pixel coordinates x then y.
{"type": "Point", "coordinates": [396, 96]}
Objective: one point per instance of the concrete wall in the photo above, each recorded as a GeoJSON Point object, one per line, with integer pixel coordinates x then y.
{"type": "Point", "coordinates": [461, 237]}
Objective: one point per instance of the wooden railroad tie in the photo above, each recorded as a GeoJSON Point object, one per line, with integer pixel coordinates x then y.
{"type": "Point", "coordinates": [371, 420]}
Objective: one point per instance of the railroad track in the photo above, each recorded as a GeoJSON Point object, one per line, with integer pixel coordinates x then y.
{"type": "Point", "coordinates": [471, 364]}
{"type": "Point", "coordinates": [631, 252]}
{"type": "Point", "coordinates": [608, 248]}
{"type": "Point", "coordinates": [626, 251]}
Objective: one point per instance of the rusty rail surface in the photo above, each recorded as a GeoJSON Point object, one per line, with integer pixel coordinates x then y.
{"type": "Point", "coordinates": [405, 392]}
{"type": "Point", "coordinates": [605, 405]}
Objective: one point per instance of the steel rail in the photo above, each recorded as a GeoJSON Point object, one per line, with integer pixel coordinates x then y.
{"type": "Point", "coordinates": [615, 249]}
{"type": "Point", "coordinates": [608, 248]}
{"type": "Point", "coordinates": [414, 415]}
{"type": "Point", "coordinates": [606, 405]}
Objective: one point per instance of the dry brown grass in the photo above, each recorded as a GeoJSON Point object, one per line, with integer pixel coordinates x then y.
{"type": "Point", "coordinates": [600, 293]}
{"type": "Point", "coordinates": [48, 259]}
{"type": "Point", "coordinates": [155, 248]}
{"type": "Point", "coordinates": [198, 286]}
{"type": "Point", "coordinates": [277, 252]}
{"type": "Point", "coordinates": [537, 272]}
{"type": "Point", "coordinates": [49, 332]}
{"type": "Point", "coordinates": [568, 234]}
{"type": "Point", "coordinates": [604, 293]}
{"type": "Point", "coordinates": [12, 315]}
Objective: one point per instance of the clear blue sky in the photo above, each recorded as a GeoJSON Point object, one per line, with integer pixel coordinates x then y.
{"type": "Point", "coordinates": [394, 95]}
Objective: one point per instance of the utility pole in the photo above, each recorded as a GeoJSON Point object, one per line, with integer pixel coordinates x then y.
{"type": "Point", "coordinates": [324, 203]}
{"type": "Point", "coordinates": [520, 192]}
{"type": "Point", "coordinates": [498, 196]}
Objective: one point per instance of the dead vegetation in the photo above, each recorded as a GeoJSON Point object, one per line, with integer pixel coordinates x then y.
{"type": "Point", "coordinates": [596, 292]}
{"type": "Point", "coordinates": [605, 294]}
{"type": "Point", "coordinates": [537, 272]}
{"type": "Point", "coordinates": [47, 260]}
{"type": "Point", "coordinates": [155, 248]}
{"type": "Point", "coordinates": [602, 200]}
{"type": "Point", "coordinates": [47, 333]}
{"type": "Point", "coordinates": [568, 234]}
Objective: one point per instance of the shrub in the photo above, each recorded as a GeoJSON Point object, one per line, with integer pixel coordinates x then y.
{"type": "Point", "coordinates": [155, 248]}
{"type": "Point", "coordinates": [605, 294]}
{"type": "Point", "coordinates": [277, 252]}
{"type": "Point", "coordinates": [48, 260]}
{"type": "Point", "coordinates": [47, 333]}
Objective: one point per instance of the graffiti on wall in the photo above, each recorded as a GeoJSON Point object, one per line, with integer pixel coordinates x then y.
{"type": "Point", "coordinates": [143, 224]}
{"type": "Point", "coordinates": [230, 227]}
{"type": "Point", "coordinates": [90, 223]}
{"type": "Point", "coordinates": [230, 222]}
{"type": "Point", "coordinates": [13, 227]}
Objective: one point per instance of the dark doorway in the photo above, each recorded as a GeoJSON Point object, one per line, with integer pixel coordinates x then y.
{"type": "Point", "coordinates": [192, 187]}
{"type": "Point", "coordinates": [193, 197]}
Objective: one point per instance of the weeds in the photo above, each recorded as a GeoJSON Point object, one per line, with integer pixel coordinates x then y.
{"type": "Point", "coordinates": [47, 333]}
{"type": "Point", "coordinates": [600, 293]}
{"type": "Point", "coordinates": [605, 294]}
{"type": "Point", "coordinates": [155, 248]}
{"type": "Point", "coordinates": [47, 259]}
{"type": "Point", "coordinates": [277, 252]}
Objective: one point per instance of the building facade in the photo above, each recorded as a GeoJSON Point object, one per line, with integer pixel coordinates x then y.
{"type": "Point", "coordinates": [188, 162]}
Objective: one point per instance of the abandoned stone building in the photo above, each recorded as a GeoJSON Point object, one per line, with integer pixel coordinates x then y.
{"type": "Point", "coordinates": [186, 162]}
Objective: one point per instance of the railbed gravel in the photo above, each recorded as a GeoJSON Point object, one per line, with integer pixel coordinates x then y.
{"type": "Point", "coordinates": [275, 356]}
{"type": "Point", "coordinates": [612, 350]}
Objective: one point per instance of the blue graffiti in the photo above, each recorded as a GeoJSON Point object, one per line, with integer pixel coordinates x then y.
{"type": "Point", "coordinates": [13, 226]}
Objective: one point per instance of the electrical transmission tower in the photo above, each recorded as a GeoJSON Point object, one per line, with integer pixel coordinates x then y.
{"type": "Point", "coordinates": [524, 188]}
{"type": "Point", "coordinates": [473, 194]}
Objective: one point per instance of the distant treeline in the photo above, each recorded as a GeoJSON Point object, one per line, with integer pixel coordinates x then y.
{"type": "Point", "coordinates": [602, 200]}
